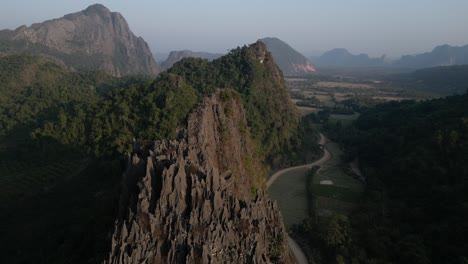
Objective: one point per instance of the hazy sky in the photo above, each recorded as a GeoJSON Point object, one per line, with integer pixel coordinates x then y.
{"type": "Point", "coordinates": [393, 27]}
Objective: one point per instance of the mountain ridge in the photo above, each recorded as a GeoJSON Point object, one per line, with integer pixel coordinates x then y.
{"type": "Point", "coordinates": [194, 197]}
{"type": "Point", "coordinates": [290, 61]}
{"type": "Point", "coordinates": [442, 55]}
{"type": "Point", "coordinates": [92, 39]}
{"type": "Point", "coordinates": [341, 57]}
{"type": "Point", "coordinates": [177, 55]}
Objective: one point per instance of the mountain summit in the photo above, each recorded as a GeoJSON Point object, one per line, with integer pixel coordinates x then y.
{"type": "Point", "coordinates": [92, 39]}
{"type": "Point", "coordinates": [289, 60]}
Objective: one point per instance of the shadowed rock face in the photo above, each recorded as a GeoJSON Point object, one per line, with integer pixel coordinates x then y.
{"type": "Point", "coordinates": [190, 200]}
{"type": "Point", "coordinates": [93, 39]}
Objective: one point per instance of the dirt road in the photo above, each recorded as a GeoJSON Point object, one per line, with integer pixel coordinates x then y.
{"type": "Point", "coordinates": [297, 251]}
{"type": "Point", "coordinates": [326, 156]}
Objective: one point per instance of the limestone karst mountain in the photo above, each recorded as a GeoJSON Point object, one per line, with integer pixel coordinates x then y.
{"type": "Point", "coordinates": [92, 39]}
{"type": "Point", "coordinates": [343, 58]}
{"type": "Point", "coordinates": [74, 137]}
{"type": "Point", "coordinates": [444, 55]}
{"type": "Point", "coordinates": [200, 198]}
{"type": "Point", "coordinates": [289, 60]}
{"type": "Point", "coordinates": [189, 200]}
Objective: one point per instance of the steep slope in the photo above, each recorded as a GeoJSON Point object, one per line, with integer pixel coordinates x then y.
{"type": "Point", "coordinates": [251, 71]}
{"type": "Point", "coordinates": [92, 39]}
{"type": "Point", "coordinates": [288, 59]}
{"type": "Point", "coordinates": [343, 58]}
{"type": "Point", "coordinates": [189, 200]}
{"type": "Point", "coordinates": [175, 56]}
{"type": "Point", "coordinates": [64, 160]}
{"type": "Point", "coordinates": [444, 55]}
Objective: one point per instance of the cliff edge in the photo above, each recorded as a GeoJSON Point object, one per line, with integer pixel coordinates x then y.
{"type": "Point", "coordinates": [197, 199]}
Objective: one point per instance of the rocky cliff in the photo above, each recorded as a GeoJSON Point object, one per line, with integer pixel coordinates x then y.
{"type": "Point", "coordinates": [198, 199]}
{"type": "Point", "coordinates": [93, 39]}
{"type": "Point", "coordinates": [288, 59]}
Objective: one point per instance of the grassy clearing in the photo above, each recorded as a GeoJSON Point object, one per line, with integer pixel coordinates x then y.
{"type": "Point", "coordinates": [344, 117]}
{"type": "Point", "coordinates": [336, 192]}
{"type": "Point", "coordinates": [330, 206]}
{"type": "Point", "coordinates": [345, 120]}
{"type": "Point", "coordinates": [340, 178]}
{"type": "Point", "coordinates": [289, 191]}
{"type": "Point", "coordinates": [345, 193]}
{"type": "Point", "coordinates": [307, 110]}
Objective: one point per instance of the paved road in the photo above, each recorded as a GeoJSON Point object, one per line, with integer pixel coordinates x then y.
{"type": "Point", "coordinates": [297, 251]}
{"type": "Point", "coordinates": [326, 157]}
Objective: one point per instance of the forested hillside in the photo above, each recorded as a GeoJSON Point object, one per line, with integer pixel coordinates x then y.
{"type": "Point", "coordinates": [65, 132]}
{"type": "Point", "coordinates": [414, 158]}
{"type": "Point", "coordinates": [440, 81]}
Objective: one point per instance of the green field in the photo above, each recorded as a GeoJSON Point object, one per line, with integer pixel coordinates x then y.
{"type": "Point", "coordinates": [344, 119]}
{"type": "Point", "coordinates": [343, 194]}
{"type": "Point", "coordinates": [290, 193]}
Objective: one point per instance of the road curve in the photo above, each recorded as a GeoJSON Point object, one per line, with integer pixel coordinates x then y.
{"type": "Point", "coordinates": [326, 156]}
{"type": "Point", "coordinates": [297, 251]}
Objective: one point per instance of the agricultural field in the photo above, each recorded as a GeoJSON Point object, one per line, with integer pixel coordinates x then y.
{"type": "Point", "coordinates": [289, 191]}
{"type": "Point", "coordinates": [334, 187]}
{"type": "Point", "coordinates": [314, 93]}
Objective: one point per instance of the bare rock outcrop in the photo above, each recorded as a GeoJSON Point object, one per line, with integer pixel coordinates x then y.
{"type": "Point", "coordinates": [198, 199]}
{"type": "Point", "coordinates": [92, 39]}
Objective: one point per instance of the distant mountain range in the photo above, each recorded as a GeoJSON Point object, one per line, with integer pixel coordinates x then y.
{"type": "Point", "coordinates": [175, 56]}
{"type": "Point", "coordinates": [441, 80]}
{"type": "Point", "coordinates": [444, 55]}
{"type": "Point", "coordinates": [343, 58]}
{"type": "Point", "coordinates": [289, 60]}
{"type": "Point", "coordinates": [92, 39]}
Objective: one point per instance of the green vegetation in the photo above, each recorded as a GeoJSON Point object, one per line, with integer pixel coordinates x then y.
{"type": "Point", "coordinates": [64, 137]}
{"type": "Point", "coordinates": [261, 91]}
{"type": "Point", "coordinates": [414, 156]}
{"type": "Point", "coordinates": [414, 209]}
{"type": "Point", "coordinates": [441, 81]}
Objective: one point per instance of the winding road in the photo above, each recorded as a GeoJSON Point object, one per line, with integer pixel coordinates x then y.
{"type": "Point", "coordinates": [297, 251]}
{"type": "Point", "coordinates": [326, 157]}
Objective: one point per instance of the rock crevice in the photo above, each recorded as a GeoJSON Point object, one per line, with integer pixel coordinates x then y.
{"type": "Point", "coordinates": [190, 200]}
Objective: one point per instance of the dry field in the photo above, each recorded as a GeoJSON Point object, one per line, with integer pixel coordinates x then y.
{"type": "Point", "coordinates": [345, 85]}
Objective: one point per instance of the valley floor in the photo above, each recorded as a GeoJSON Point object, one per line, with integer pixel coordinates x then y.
{"type": "Point", "coordinates": [290, 193]}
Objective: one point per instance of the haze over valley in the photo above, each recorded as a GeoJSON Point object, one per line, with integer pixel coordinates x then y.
{"type": "Point", "coordinates": [214, 132]}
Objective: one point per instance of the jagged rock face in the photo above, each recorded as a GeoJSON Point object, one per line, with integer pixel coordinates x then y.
{"type": "Point", "coordinates": [175, 56]}
{"type": "Point", "coordinates": [93, 39]}
{"type": "Point", "coordinates": [189, 201]}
